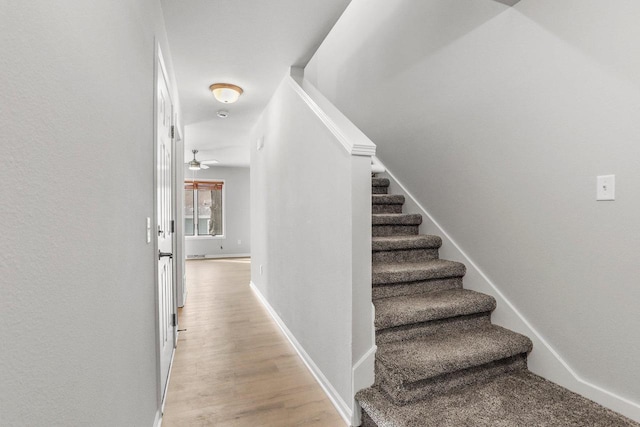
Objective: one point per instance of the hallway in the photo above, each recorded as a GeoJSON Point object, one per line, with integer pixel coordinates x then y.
{"type": "Point", "coordinates": [233, 366]}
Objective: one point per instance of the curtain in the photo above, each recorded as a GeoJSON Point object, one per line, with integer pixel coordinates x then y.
{"type": "Point", "coordinates": [215, 223]}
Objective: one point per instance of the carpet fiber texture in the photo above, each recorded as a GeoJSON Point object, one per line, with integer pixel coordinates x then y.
{"type": "Point", "coordinates": [515, 399]}
{"type": "Point", "coordinates": [440, 362]}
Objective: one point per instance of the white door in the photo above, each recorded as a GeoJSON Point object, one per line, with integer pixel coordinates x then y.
{"type": "Point", "coordinates": [167, 320]}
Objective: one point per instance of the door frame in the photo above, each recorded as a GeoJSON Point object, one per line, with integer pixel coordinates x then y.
{"type": "Point", "coordinates": [159, 68]}
{"type": "Point", "coordinates": [179, 258]}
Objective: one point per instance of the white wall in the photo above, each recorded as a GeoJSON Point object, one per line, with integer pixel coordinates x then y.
{"type": "Point", "coordinates": [310, 222]}
{"type": "Point", "coordinates": [78, 295]}
{"type": "Point", "coordinates": [498, 120]}
{"type": "Point", "coordinates": [236, 211]}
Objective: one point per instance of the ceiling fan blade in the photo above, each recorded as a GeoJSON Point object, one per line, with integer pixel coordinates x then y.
{"type": "Point", "coordinates": [203, 166]}
{"type": "Point", "coordinates": [209, 162]}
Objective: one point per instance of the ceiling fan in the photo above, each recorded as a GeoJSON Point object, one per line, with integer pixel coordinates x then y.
{"type": "Point", "coordinates": [195, 165]}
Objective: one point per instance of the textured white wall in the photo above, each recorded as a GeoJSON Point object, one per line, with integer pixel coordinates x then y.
{"type": "Point", "coordinates": [236, 212]}
{"type": "Point", "coordinates": [78, 300]}
{"type": "Point", "coordinates": [498, 120]}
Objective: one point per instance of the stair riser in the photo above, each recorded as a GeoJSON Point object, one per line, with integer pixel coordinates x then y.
{"type": "Point", "coordinates": [402, 394]}
{"type": "Point", "coordinates": [394, 230]}
{"type": "Point", "coordinates": [367, 421]}
{"type": "Point", "coordinates": [382, 209]}
{"type": "Point", "coordinates": [380, 182]}
{"type": "Point", "coordinates": [411, 255]}
{"type": "Point", "coordinates": [405, 243]}
{"type": "Point", "coordinates": [379, 190]}
{"type": "Point", "coordinates": [388, 199]}
{"type": "Point", "coordinates": [397, 289]}
{"type": "Point", "coordinates": [449, 271]}
{"type": "Point", "coordinates": [451, 324]}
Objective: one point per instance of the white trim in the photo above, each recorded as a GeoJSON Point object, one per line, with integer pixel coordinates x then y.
{"type": "Point", "coordinates": [545, 366]}
{"type": "Point", "coordinates": [376, 166]}
{"type": "Point", "coordinates": [160, 58]}
{"type": "Point", "coordinates": [157, 422]}
{"type": "Point", "coordinates": [352, 139]}
{"type": "Point", "coordinates": [216, 256]}
{"type": "Point", "coordinates": [206, 237]}
{"type": "Point", "coordinates": [362, 376]}
{"type": "Point", "coordinates": [166, 387]}
{"type": "Point", "coordinates": [340, 405]}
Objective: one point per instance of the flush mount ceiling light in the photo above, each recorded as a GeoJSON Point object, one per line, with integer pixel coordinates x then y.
{"type": "Point", "coordinates": [226, 92]}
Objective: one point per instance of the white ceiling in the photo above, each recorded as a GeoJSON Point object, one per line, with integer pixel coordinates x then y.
{"type": "Point", "coordinates": [250, 43]}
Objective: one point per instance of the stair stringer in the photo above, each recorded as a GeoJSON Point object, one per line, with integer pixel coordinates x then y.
{"type": "Point", "coordinates": [544, 360]}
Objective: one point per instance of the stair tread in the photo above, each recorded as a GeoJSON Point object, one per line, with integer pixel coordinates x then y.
{"type": "Point", "coordinates": [398, 272]}
{"type": "Point", "coordinates": [434, 355]}
{"type": "Point", "coordinates": [412, 309]}
{"type": "Point", "coordinates": [380, 182]}
{"type": "Point", "coordinates": [419, 241]}
{"type": "Point", "coordinates": [518, 398]}
{"type": "Point", "coordinates": [387, 199]}
{"type": "Point", "coordinates": [396, 219]}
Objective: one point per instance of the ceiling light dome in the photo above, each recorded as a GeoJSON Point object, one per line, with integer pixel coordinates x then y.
{"type": "Point", "coordinates": [226, 92]}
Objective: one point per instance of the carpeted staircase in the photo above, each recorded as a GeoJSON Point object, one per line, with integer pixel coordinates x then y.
{"type": "Point", "coordinates": [440, 361]}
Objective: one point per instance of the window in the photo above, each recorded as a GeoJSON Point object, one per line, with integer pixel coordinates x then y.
{"type": "Point", "coordinates": [206, 198]}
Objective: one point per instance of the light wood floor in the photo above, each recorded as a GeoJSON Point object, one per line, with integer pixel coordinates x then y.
{"type": "Point", "coordinates": [233, 366]}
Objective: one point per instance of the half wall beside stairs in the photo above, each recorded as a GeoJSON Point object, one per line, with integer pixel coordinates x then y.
{"type": "Point", "coordinates": [311, 228]}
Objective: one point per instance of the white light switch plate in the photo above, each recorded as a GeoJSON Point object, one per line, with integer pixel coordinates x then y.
{"type": "Point", "coordinates": [606, 187]}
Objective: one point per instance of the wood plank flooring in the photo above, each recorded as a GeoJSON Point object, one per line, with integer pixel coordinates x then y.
{"type": "Point", "coordinates": [233, 366]}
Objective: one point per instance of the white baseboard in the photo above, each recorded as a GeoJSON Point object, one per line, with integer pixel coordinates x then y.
{"type": "Point", "coordinates": [216, 256]}
{"type": "Point", "coordinates": [544, 360]}
{"type": "Point", "coordinates": [157, 422]}
{"type": "Point", "coordinates": [341, 406]}
{"type": "Point", "coordinates": [166, 386]}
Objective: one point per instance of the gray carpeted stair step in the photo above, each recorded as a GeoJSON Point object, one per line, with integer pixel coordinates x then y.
{"type": "Point", "coordinates": [379, 185]}
{"type": "Point", "coordinates": [412, 370]}
{"type": "Point", "coordinates": [395, 279]}
{"type": "Point", "coordinates": [402, 272]}
{"type": "Point", "coordinates": [407, 317]}
{"type": "Point", "coordinates": [390, 243]}
{"type": "Point", "coordinates": [415, 288]}
{"type": "Point", "coordinates": [410, 248]}
{"type": "Point", "coordinates": [407, 310]}
{"type": "Point", "coordinates": [386, 203]}
{"type": "Point", "coordinates": [396, 219]}
{"type": "Point", "coordinates": [383, 209]}
{"type": "Point", "coordinates": [380, 182]}
{"type": "Point", "coordinates": [387, 199]}
{"type": "Point", "coordinates": [516, 399]}
{"type": "Point", "coordinates": [395, 224]}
